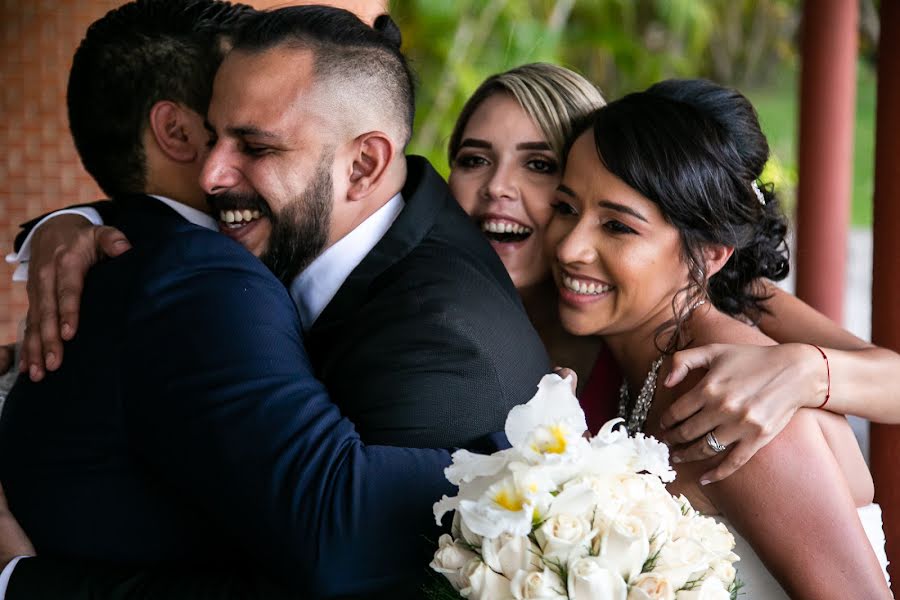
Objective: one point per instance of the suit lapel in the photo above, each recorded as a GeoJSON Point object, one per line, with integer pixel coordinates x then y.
{"type": "Point", "coordinates": [425, 194]}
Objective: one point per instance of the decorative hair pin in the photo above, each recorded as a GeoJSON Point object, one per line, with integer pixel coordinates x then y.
{"type": "Point", "coordinates": [758, 192]}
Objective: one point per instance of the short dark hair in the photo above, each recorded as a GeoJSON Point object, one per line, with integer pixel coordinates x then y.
{"type": "Point", "coordinates": [346, 49]}
{"type": "Point", "coordinates": [135, 56]}
{"type": "Point", "coordinates": [696, 149]}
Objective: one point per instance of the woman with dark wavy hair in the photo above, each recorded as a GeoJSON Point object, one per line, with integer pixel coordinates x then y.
{"type": "Point", "coordinates": [662, 232]}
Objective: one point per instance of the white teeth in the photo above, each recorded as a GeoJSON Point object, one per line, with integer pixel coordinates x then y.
{"type": "Point", "coordinates": [494, 226]}
{"type": "Point", "coordinates": [238, 217]}
{"type": "Point", "coordinates": [581, 287]}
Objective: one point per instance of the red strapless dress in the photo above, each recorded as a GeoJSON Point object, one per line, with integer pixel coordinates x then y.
{"type": "Point", "coordinates": [600, 395]}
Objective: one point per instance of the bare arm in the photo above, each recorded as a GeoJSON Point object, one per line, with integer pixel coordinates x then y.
{"type": "Point", "coordinates": [756, 390]}
{"type": "Point", "coordinates": [790, 502]}
{"type": "Point", "coordinates": [863, 376]}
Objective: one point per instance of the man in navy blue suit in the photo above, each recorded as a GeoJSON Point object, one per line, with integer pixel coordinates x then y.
{"type": "Point", "coordinates": [185, 426]}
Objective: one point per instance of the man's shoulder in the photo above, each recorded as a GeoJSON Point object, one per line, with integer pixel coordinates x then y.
{"type": "Point", "coordinates": [456, 267]}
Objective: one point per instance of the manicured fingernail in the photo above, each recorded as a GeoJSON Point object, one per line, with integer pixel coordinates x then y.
{"type": "Point", "coordinates": [705, 482]}
{"type": "Point", "coordinates": [667, 379]}
{"type": "Point", "coordinates": [50, 359]}
{"type": "Point", "coordinates": [34, 372]}
{"type": "Point", "coordinates": [120, 243]}
{"type": "Point", "coordinates": [677, 459]}
{"type": "Point", "coordinates": [66, 330]}
{"type": "Point", "coordinates": [662, 426]}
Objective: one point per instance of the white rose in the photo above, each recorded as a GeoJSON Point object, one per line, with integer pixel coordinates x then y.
{"type": "Point", "coordinates": [660, 518]}
{"type": "Point", "coordinates": [722, 570]}
{"type": "Point", "coordinates": [592, 578]}
{"type": "Point", "coordinates": [651, 586]}
{"type": "Point", "coordinates": [624, 545]}
{"type": "Point", "coordinates": [710, 589]}
{"type": "Point", "coordinates": [680, 560]}
{"type": "Point", "coordinates": [709, 533]}
{"type": "Point", "coordinates": [564, 537]}
{"type": "Point", "coordinates": [480, 583]}
{"type": "Point", "coordinates": [538, 585]}
{"type": "Point", "coordinates": [509, 554]}
{"type": "Point", "coordinates": [450, 558]}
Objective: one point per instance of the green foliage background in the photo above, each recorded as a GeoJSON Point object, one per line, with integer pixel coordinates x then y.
{"type": "Point", "coordinates": [623, 46]}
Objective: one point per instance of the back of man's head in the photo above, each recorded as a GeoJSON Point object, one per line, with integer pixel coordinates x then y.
{"type": "Point", "coordinates": [361, 66]}
{"type": "Point", "coordinates": [139, 54]}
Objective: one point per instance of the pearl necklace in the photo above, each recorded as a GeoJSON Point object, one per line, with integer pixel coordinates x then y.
{"type": "Point", "coordinates": [637, 415]}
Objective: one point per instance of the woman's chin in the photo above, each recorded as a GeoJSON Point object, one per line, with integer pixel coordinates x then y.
{"type": "Point", "coordinates": [580, 324]}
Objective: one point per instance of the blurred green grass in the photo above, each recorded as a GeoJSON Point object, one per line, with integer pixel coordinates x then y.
{"type": "Point", "coordinates": [777, 108]}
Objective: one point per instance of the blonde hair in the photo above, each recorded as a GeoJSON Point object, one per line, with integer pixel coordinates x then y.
{"type": "Point", "coordinates": [553, 96]}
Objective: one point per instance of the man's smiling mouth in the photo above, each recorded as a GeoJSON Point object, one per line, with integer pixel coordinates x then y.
{"type": "Point", "coordinates": [234, 219]}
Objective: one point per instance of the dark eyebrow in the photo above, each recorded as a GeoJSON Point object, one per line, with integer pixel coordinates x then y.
{"type": "Point", "coordinates": [473, 143]}
{"type": "Point", "coordinates": [533, 146]}
{"type": "Point", "coordinates": [565, 190]}
{"type": "Point", "coordinates": [249, 130]}
{"type": "Point", "coordinates": [622, 208]}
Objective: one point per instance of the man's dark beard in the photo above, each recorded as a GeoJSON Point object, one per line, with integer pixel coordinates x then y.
{"type": "Point", "coordinates": [300, 231]}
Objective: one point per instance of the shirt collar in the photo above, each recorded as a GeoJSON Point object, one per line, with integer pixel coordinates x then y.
{"type": "Point", "coordinates": [317, 285]}
{"type": "Point", "coordinates": [197, 217]}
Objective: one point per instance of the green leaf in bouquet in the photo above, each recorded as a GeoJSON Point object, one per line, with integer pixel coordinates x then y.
{"type": "Point", "coordinates": [438, 588]}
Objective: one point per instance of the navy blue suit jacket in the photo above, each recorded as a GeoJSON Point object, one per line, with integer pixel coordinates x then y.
{"type": "Point", "coordinates": [185, 422]}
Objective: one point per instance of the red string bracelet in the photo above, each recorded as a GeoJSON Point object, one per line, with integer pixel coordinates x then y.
{"type": "Point", "coordinates": [828, 372]}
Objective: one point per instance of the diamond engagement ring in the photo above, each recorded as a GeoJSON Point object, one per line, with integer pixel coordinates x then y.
{"type": "Point", "coordinates": [713, 443]}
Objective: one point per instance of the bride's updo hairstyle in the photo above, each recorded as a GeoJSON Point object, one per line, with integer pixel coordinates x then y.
{"type": "Point", "coordinates": [696, 149]}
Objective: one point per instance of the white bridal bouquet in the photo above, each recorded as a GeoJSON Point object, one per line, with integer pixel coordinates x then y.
{"type": "Point", "coordinates": [561, 516]}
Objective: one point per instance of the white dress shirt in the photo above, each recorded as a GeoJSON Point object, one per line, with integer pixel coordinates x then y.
{"type": "Point", "coordinates": [315, 287]}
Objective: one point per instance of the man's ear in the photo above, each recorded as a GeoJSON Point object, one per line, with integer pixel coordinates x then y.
{"type": "Point", "coordinates": [178, 131]}
{"type": "Point", "coordinates": [373, 152]}
{"type": "Point", "coordinates": [715, 256]}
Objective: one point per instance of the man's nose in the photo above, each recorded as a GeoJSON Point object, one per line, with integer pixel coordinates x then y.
{"type": "Point", "coordinates": [219, 172]}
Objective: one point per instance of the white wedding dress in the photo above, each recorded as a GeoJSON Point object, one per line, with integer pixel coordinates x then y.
{"type": "Point", "coordinates": [759, 583]}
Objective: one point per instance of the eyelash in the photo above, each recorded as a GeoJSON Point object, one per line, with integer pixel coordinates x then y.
{"type": "Point", "coordinates": [617, 227]}
{"type": "Point", "coordinates": [471, 161]}
{"type": "Point", "coordinates": [541, 166]}
{"type": "Point", "coordinates": [255, 151]}
{"type": "Point", "coordinates": [563, 208]}
{"type": "Point", "coordinates": [549, 167]}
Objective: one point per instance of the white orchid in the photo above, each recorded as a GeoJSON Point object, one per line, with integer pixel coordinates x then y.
{"type": "Point", "coordinates": [551, 425]}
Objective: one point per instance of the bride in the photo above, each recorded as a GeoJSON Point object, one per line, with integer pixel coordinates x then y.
{"type": "Point", "coordinates": [660, 229]}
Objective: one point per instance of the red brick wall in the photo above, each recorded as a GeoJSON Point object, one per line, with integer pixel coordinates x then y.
{"type": "Point", "coordinates": [40, 169]}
